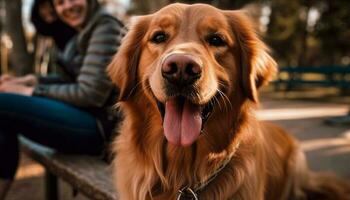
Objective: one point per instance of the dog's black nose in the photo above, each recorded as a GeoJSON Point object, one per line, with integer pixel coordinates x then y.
{"type": "Point", "coordinates": [181, 69]}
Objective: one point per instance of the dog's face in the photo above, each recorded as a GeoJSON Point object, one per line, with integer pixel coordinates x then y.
{"type": "Point", "coordinates": [188, 59]}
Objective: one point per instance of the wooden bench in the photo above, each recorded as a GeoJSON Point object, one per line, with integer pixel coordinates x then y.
{"type": "Point", "coordinates": [331, 76]}
{"type": "Point", "coordinates": [88, 175]}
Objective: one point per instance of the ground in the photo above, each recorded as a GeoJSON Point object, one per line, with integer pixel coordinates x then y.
{"type": "Point", "coordinates": [327, 147]}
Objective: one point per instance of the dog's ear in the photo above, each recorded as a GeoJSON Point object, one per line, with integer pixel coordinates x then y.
{"type": "Point", "coordinates": [257, 66]}
{"type": "Point", "coordinates": [123, 68]}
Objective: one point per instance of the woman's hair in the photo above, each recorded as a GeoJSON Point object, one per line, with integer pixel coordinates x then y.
{"type": "Point", "coordinates": [39, 23]}
{"type": "Point", "coordinates": [93, 6]}
{"type": "Point", "coordinates": [58, 30]}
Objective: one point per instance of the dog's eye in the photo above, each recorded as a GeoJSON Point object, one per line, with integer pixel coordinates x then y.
{"type": "Point", "coordinates": [159, 37]}
{"type": "Point", "coordinates": [215, 40]}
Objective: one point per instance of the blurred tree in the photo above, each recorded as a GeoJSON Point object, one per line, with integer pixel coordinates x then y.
{"type": "Point", "coordinates": [223, 4]}
{"type": "Point", "coordinates": [20, 59]}
{"type": "Point", "coordinates": [3, 65]}
{"type": "Point", "coordinates": [286, 30]}
{"type": "Point", "coordinates": [147, 6]}
{"type": "Point", "coordinates": [333, 31]}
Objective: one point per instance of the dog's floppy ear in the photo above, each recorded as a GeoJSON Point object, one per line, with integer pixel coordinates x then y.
{"type": "Point", "coordinates": [257, 66]}
{"type": "Point", "coordinates": [123, 68]}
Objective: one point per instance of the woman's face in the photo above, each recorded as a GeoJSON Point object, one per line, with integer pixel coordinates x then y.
{"type": "Point", "coordinates": [72, 12]}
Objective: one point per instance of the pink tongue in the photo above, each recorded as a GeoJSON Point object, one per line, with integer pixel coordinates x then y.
{"type": "Point", "coordinates": [182, 125]}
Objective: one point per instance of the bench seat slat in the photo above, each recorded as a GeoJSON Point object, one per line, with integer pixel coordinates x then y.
{"type": "Point", "coordinates": [333, 76]}
{"type": "Point", "coordinates": [320, 69]}
{"type": "Point", "coordinates": [335, 83]}
{"type": "Point", "coordinates": [88, 174]}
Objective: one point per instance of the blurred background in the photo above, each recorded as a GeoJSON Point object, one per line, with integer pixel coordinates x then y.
{"type": "Point", "coordinates": [300, 33]}
{"type": "Point", "coordinates": [309, 39]}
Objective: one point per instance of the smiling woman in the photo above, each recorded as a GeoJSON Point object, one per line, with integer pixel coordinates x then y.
{"type": "Point", "coordinates": [73, 113]}
{"type": "Point", "coordinates": [72, 12]}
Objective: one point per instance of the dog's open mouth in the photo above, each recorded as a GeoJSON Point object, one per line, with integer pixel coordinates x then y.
{"type": "Point", "coordinates": [183, 120]}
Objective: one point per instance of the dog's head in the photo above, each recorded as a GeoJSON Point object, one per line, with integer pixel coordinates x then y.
{"type": "Point", "coordinates": [188, 58]}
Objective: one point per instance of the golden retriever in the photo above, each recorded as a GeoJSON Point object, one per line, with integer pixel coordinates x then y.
{"type": "Point", "coordinates": [188, 78]}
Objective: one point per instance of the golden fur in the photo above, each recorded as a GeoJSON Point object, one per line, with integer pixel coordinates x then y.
{"type": "Point", "coordinates": [266, 164]}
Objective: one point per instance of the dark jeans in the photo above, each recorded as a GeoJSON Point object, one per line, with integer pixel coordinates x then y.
{"type": "Point", "coordinates": [52, 123]}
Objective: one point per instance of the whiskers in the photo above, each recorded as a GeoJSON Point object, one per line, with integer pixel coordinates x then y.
{"type": "Point", "coordinates": [135, 87]}
{"type": "Point", "coordinates": [225, 100]}
{"type": "Point", "coordinates": [195, 95]}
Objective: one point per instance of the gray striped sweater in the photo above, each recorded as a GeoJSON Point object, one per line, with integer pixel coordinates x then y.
{"type": "Point", "coordinates": [86, 58]}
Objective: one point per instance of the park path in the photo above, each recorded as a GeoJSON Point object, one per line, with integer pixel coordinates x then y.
{"type": "Point", "coordinates": [327, 147]}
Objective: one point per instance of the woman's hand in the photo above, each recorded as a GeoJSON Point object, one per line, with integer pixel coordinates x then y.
{"type": "Point", "coordinates": [6, 77]}
{"type": "Point", "coordinates": [9, 87]}
{"type": "Point", "coordinates": [29, 80]}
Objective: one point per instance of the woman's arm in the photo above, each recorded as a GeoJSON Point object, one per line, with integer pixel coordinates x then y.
{"type": "Point", "coordinates": [53, 79]}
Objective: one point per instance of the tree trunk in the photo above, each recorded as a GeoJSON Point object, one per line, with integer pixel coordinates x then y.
{"type": "Point", "coordinates": [20, 59]}
{"type": "Point", "coordinates": [147, 6]}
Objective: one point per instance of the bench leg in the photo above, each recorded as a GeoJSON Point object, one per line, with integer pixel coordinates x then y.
{"type": "Point", "coordinates": [51, 186]}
